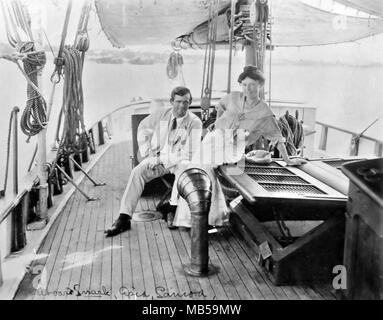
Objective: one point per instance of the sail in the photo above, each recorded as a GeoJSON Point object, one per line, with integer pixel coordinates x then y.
{"type": "Point", "coordinates": [159, 22]}
{"type": "Point", "coordinates": [374, 7]}
{"type": "Point", "coordinates": [127, 22]}
{"type": "Point", "coordinates": [298, 24]}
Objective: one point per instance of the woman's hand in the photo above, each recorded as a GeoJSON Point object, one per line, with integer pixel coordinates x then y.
{"type": "Point", "coordinates": [296, 162]}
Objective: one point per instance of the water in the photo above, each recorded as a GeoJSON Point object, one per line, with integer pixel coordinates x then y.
{"type": "Point", "coordinates": [346, 96]}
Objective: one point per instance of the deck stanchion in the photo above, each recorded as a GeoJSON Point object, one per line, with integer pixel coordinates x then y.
{"type": "Point", "coordinates": [101, 140]}
{"type": "Point", "coordinates": [19, 239]}
{"type": "Point", "coordinates": [92, 145]}
{"type": "Point", "coordinates": [78, 159]}
{"type": "Point", "coordinates": [195, 186]}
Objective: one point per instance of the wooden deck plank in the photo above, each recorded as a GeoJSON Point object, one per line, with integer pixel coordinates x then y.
{"type": "Point", "coordinates": [267, 293]}
{"type": "Point", "coordinates": [71, 244]}
{"type": "Point", "coordinates": [228, 266]}
{"type": "Point", "coordinates": [237, 263]}
{"type": "Point", "coordinates": [90, 254]}
{"type": "Point", "coordinates": [183, 285]}
{"type": "Point", "coordinates": [145, 259]}
{"type": "Point", "coordinates": [222, 275]}
{"type": "Point", "coordinates": [53, 251]}
{"type": "Point", "coordinates": [250, 252]}
{"type": "Point", "coordinates": [138, 276]}
{"type": "Point", "coordinates": [79, 253]}
{"type": "Point", "coordinates": [62, 247]}
{"type": "Point", "coordinates": [170, 276]}
{"type": "Point", "coordinates": [107, 203]}
{"type": "Point", "coordinates": [158, 273]}
{"type": "Point", "coordinates": [194, 284]}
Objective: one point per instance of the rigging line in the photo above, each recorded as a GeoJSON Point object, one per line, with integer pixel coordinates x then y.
{"type": "Point", "coordinates": [233, 3]}
{"type": "Point", "coordinates": [13, 25]}
{"type": "Point", "coordinates": [369, 126]}
{"type": "Point", "coordinates": [11, 39]}
{"type": "Point", "coordinates": [206, 52]}
{"type": "Point", "coordinates": [49, 43]}
{"type": "Point", "coordinates": [20, 14]}
{"type": "Point", "coordinates": [215, 26]}
{"type": "Point", "coordinates": [270, 49]}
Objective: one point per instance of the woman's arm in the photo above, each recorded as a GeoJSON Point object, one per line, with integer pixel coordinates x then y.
{"type": "Point", "coordinates": [290, 162]}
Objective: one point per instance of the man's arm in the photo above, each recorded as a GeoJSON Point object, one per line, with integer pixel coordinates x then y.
{"type": "Point", "coordinates": [145, 132]}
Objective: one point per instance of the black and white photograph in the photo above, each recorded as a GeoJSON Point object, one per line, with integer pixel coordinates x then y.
{"type": "Point", "coordinates": [188, 155]}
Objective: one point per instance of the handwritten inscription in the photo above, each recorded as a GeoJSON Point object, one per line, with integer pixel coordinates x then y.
{"type": "Point", "coordinates": [124, 291]}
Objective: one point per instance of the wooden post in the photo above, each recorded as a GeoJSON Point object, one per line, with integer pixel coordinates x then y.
{"type": "Point", "coordinates": [355, 140]}
{"type": "Point", "coordinates": [323, 138]}
{"type": "Point", "coordinates": [250, 55]}
{"type": "Point", "coordinates": [378, 149]}
{"type": "Point", "coordinates": [42, 172]}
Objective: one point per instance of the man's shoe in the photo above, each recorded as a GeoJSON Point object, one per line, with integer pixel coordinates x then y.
{"type": "Point", "coordinates": [169, 220]}
{"type": "Point", "coordinates": [120, 225]}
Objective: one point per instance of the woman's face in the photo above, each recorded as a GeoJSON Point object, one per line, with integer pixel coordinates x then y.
{"type": "Point", "coordinates": [251, 88]}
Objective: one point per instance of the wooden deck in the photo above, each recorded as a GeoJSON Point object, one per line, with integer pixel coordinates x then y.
{"type": "Point", "coordinates": [76, 260]}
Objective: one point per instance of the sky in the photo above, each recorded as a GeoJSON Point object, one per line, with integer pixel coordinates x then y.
{"type": "Point", "coordinates": [50, 14]}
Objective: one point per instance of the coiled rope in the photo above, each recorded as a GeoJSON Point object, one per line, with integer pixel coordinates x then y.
{"type": "Point", "coordinates": [72, 137]}
{"type": "Point", "coordinates": [292, 130]}
{"type": "Point", "coordinates": [174, 66]}
{"type": "Point", "coordinates": [34, 117]}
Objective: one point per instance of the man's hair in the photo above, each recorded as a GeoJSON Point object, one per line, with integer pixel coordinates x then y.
{"type": "Point", "coordinates": [180, 91]}
{"type": "Point", "coordinates": [252, 72]}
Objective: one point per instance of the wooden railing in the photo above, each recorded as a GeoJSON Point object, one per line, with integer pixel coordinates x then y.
{"type": "Point", "coordinates": [355, 140]}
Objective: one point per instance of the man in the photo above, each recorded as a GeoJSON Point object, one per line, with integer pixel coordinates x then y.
{"type": "Point", "coordinates": [167, 139]}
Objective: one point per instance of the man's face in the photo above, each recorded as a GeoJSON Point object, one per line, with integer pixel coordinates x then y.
{"type": "Point", "coordinates": [180, 105]}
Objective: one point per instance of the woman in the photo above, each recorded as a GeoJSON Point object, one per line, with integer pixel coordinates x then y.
{"type": "Point", "coordinates": [242, 118]}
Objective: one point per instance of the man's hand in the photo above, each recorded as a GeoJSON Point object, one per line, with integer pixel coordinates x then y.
{"type": "Point", "coordinates": [296, 162]}
{"type": "Point", "coordinates": [154, 162]}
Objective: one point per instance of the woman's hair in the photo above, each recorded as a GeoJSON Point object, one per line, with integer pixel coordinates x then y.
{"type": "Point", "coordinates": [180, 91]}
{"type": "Point", "coordinates": [252, 72]}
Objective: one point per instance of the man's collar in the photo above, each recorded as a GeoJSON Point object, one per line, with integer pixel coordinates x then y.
{"type": "Point", "coordinates": [179, 119]}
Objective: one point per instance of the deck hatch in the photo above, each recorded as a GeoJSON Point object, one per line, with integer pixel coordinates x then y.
{"type": "Point", "coordinates": [277, 179]}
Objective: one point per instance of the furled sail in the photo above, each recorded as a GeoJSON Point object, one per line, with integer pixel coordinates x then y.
{"type": "Point", "coordinates": [294, 23]}
{"type": "Point", "coordinates": [374, 7]}
{"type": "Point", "coordinates": [127, 22]}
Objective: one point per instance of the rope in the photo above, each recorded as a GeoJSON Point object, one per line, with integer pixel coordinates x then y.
{"type": "Point", "coordinates": [174, 66]}
{"type": "Point", "coordinates": [292, 131]}
{"type": "Point", "coordinates": [34, 117]}
{"type": "Point", "coordinates": [208, 70]}
{"type": "Point", "coordinates": [73, 137]}
{"type": "Point", "coordinates": [231, 40]}
{"type": "Point", "coordinates": [283, 229]}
